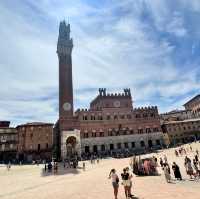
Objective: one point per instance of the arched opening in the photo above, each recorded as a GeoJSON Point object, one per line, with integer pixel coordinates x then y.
{"type": "Point", "coordinates": [103, 148]}
{"type": "Point", "coordinates": [142, 144]}
{"type": "Point", "coordinates": [95, 148]}
{"type": "Point", "coordinates": [71, 146]}
{"type": "Point", "coordinates": [158, 142]}
{"type": "Point", "coordinates": [150, 144]}
{"type": "Point", "coordinates": [87, 149]}
{"type": "Point", "coordinates": [111, 147]}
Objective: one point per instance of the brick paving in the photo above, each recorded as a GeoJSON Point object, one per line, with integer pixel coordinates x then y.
{"type": "Point", "coordinates": [28, 182]}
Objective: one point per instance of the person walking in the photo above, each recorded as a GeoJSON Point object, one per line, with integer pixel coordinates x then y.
{"type": "Point", "coordinates": [166, 170]}
{"type": "Point", "coordinates": [165, 159]}
{"type": "Point", "coordinates": [177, 173]}
{"type": "Point", "coordinates": [83, 166]}
{"type": "Point", "coordinates": [189, 169]}
{"type": "Point", "coordinates": [126, 183]}
{"type": "Point", "coordinates": [130, 179]}
{"type": "Point", "coordinates": [161, 162]}
{"type": "Point", "coordinates": [115, 181]}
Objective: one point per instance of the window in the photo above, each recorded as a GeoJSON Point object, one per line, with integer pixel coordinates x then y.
{"type": "Point", "coordinates": [131, 131]}
{"type": "Point", "coordinates": [31, 136]}
{"type": "Point", "coordinates": [117, 133]}
{"type": "Point", "coordinates": [87, 149]}
{"type": "Point", "coordinates": [145, 115]}
{"type": "Point", "coordinates": [110, 133]}
{"type": "Point", "coordinates": [128, 116]}
{"type": "Point", "coordinates": [158, 142]}
{"type": "Point", "coordinates": [142, 144]}
{"type": "Point", "coordinates": [85, 135]}
{"type": "Point", "coordinates": [115, 117]}
{"type": "Point", "coordinates": [122, 116]}
{"type": "Point", "coordinates": [119, 146]}
{"type": "Point", "coordinates": [155, 129]}
{"type": "Point", "coordinates": [100, 117]}
{"type": "Point", "coordinates": [126, 145]}
{"type": "Point", "coordinates": [94, 134]}
{"type": "Point", "coordinates": [152, 115]}
{"type": "Point", "coordinates": [101, 134]}
{"type": "Point", "coordinates": [148, 130]}
{"type": "Point", "coordinates": [85, 117]}
{"type": "Point", "coordinates": [92, 117]}
{"type": "Point", "coordinates": [111, 147]}
{"type": "Point", "coordinates": [140, 131]}
{"type": "Point", "coordinates": [47, 146]}
{"type": "Point", "coordinates": [137, 116]}
{"type": "Point", "coordinates": [108, 117]}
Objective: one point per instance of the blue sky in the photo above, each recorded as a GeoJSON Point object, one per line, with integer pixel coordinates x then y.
{"type": "Point", "coordinates": [150, 46]}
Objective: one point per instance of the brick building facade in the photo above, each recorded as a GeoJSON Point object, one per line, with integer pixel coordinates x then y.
{"type": "Point", "coordinates": [193, 105]}
{"type": "Point", "coordinates": [8, 142]}
{"type": "Point", "coordinates": [35, 141]}
{"type": "Point", "coordinates": [182, 131]}
{"type": "Point", "coordinates": [110, 124]}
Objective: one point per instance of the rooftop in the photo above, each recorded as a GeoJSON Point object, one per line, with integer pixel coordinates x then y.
{"type": "Point", "coordinates": [197, 96]}
{"type": "Point", "coordinates": [183, 121]}
{"type": "Point", "coordinates": [36, 124]}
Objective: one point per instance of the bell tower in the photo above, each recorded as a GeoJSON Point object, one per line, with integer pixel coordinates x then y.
{"type": "Point", "coordinates": [64, 51]}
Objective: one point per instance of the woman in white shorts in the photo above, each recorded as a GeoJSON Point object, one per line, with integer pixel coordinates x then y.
{"type": "Point", "coordinates": [115, 181]}
{"type": "Point", "coordinates": [126, 182]}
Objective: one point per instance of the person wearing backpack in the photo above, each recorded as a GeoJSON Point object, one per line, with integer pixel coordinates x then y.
{"type": "Point", "coordinates": [115, 181]}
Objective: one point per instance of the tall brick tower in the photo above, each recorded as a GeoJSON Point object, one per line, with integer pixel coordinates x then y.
{"type": "Point", "coordinates": [68, 126]}
{"type": "Point", "coordinates": [64, 51]}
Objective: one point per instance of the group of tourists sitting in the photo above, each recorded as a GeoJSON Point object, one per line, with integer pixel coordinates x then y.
{"type": "Point", "coordinates": [146, 166]}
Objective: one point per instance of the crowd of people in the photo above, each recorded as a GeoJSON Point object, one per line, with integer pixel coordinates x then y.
{"type": "Point", "coordinates": [148, 166]}
{"type": "Point", "coordinates": [192, 166]}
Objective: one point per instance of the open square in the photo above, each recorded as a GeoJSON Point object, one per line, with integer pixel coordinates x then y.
{"type": "Point", "coordinates": [27, 182]}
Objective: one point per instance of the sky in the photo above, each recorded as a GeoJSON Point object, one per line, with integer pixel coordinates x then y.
{"type": "Point", "coordinates": [150, 46]}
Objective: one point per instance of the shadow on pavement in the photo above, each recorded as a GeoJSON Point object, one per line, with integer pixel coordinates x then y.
{"type": "Point", "coordinates": [61, 171]}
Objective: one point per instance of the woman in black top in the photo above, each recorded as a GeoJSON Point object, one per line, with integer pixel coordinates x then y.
{"type": "Point", "coordinates": [126, 182]}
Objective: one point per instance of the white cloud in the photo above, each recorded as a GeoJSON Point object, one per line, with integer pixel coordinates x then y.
{"type": "Point", "coordinates": [111, 49]}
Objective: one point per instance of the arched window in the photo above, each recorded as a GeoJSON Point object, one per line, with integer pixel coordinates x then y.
{"type": "Point", "coordinates": [142, 144]}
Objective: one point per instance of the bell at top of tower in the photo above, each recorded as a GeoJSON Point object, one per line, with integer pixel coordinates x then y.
{"type": "Point", "coordinates": [65, 43]}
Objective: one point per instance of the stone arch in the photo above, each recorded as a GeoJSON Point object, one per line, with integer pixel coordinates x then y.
{"type": "Point", "coordinates": [150, 143]}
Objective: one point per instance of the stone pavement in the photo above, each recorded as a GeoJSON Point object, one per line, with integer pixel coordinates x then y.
{"type": "Point", "coordinates": [28, 182]}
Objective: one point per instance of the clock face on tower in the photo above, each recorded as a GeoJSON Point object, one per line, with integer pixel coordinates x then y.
{"type": "Point", "coordinates": [116, 104]}
{"type": "Point", "coordinates": [67, 106]}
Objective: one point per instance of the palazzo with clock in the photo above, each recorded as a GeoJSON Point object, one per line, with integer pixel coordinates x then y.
{"type": "Point", "coordinates": [111, 124]}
